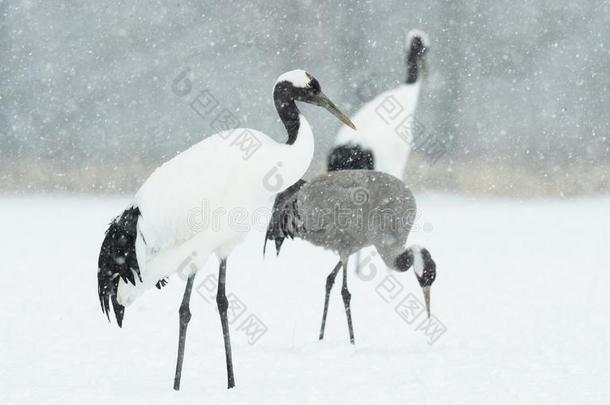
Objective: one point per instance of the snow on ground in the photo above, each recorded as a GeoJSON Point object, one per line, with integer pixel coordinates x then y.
{"type": "Point", "coordinates": [522, 290]}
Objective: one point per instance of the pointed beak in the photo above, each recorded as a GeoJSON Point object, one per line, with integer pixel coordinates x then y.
{"type": "Point", "coordinates": [424, 69]}
{"type": "Point", "coordinates": [325, 102]}
{"type": "Point", "coordinates": [427, 299]}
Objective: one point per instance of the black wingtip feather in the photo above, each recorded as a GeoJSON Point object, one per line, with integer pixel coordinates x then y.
{"type": "Point", "coordinates": [119, 311]}
{"type": "Point", "coordinates": [118, 261]}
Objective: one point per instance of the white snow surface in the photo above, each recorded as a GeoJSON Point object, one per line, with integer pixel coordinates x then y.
{"type": "Point", "coordinates": [522, 289]}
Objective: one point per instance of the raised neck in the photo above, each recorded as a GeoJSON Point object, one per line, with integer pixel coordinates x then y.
{"type": "Point", "coordinates": [412, 68]}
{"type": "Point", "coordinates": [288, 111]}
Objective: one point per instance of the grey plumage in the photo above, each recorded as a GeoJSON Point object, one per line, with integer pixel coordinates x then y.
{"type": "Point", "coordinates": [345, 211]}
{"type": "Point", "coordinates": [279, 228]}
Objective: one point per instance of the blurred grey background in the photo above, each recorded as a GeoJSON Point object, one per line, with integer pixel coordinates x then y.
{"type": "Point", "coordinates": [517, 91]}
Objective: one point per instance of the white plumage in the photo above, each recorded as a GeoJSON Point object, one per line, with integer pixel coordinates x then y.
{"type": "Point", "coordinates": [197, 204]}
{"type": "Point", "coordinates": [390, 150]}
{"type": "Point", "coordinates": [210, 177]}
{"type": "Point", "coordinates": [385, 123]}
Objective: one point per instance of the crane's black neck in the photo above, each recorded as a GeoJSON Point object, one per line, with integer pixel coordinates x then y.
{"type": "Point", "coordinates": [287, 109]}
{"type": "Point", "coordinates": [412, 67]}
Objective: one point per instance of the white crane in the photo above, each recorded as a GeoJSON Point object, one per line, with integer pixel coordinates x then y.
{"type": "Point", "coordinates": [384, 137]}
{"type": "Point", "coordinates": [146, 243]}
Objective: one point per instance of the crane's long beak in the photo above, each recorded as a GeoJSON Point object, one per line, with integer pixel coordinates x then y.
{"type": "Point", "coordinates": [427, 299]}
{"type": "Point", "coordinates": [424, 68]}
{"type": "Point", "coordinates": [325, 102]}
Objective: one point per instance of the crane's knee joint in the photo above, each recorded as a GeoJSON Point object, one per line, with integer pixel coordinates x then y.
{"type": "Point", "coordinates": [347, 296]}
{"type": "Point", "coordinates": [185, 314]}
{"type": "Point", "coordinates": [222, 302]}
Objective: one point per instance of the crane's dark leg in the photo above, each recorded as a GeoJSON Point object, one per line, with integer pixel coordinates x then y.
{"type": "Point", "coordinates": [185, 317]}
{"type": "Point", "coordinates": [346, 301]}
{"type": "Point", "coordinates": [330, 280]}
{"type": "Point", "coordinates": [223, 305]}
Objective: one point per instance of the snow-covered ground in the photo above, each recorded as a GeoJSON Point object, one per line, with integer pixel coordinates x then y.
{"type": "Point", "coordinates": [522, 290]}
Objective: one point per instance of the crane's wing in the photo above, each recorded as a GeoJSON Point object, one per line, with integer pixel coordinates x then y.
{"type": "Point", "coordinates": [355, 207]}
{"type": "Point", "coordinates": [177, 200]}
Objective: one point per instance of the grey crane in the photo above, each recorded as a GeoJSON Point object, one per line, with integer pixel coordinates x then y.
{"type": "Point", "coordinates": [377, 144]}
{"type": "Point", "coordinates": [345, 211]}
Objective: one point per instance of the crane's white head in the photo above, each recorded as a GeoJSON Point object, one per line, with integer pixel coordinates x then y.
{"type": "Point", "coordinates": [298, 85]}
{"type": "Point", "coordinates": [297, 77]}
{"type": "Point", "coordinates": [423, 267]}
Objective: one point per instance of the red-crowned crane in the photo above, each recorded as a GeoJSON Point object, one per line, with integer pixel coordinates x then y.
{"type": "Point", "coordinates": [144, 245]}
{"type": "Point", "coordinates": [378, 145]}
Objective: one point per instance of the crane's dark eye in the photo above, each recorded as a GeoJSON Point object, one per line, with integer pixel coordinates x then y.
{"type": "Point", "coordinates": [315, 85]}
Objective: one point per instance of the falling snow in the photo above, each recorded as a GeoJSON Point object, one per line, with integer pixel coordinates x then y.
{"type": "Point", "coordinates": [509, 163]}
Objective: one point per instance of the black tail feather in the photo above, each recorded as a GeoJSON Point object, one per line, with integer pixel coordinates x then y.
{"type": "Point", "coordinates": [278, 245]}
{"type": "Point", "coordinates": [118, 261]}
{"type": "Point", "coordinates": [282, 223]}
{"type": "Point", "coordinates": [119, 311]}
